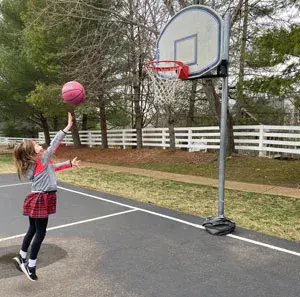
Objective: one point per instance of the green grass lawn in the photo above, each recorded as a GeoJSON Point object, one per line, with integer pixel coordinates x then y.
{"type": "Point", "coordinates": [7, 164]}
{"type": "Point", "coordinates": [243, 169]}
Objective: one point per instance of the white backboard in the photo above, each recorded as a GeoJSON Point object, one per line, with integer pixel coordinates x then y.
{"type": "Point", "coordinates": [193, 36]}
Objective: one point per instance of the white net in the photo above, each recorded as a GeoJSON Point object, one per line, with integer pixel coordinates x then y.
{"type": "Point", "coordinates": [164, 78]}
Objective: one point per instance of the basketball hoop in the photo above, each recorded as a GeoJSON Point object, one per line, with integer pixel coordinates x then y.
{"type": "Point", "coordinates": [165, 76]}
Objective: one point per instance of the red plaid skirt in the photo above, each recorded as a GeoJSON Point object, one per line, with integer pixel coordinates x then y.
{"type": "Point", "coordinates": [40, 204]}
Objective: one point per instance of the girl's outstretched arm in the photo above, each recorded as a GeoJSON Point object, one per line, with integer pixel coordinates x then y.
{"type": "Point", "coordinates": [67, 164]}
{"type": "Point", "coordinates": [59, 137]}
{"type": "Point", "coordinates": [62, 165]}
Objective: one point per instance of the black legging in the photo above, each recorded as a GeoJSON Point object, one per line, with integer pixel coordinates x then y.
{"type": "Point", "coordinates": [38, 228]}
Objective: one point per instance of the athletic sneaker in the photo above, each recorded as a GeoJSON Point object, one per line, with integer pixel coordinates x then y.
{"type": "Point", "coordinates": [18, 261]}
{"type": "Point", "coordinates": [29, 272]}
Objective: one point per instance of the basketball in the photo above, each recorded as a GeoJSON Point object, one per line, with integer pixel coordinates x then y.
{"type": "Point", "coordinates": [73, 93]}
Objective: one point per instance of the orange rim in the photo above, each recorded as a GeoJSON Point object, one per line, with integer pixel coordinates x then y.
{"type": "Point", "coordinates": [177, 68]}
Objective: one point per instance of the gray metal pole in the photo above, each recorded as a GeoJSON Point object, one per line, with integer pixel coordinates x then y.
{"type": "Point", "coordinates": [223, 128]}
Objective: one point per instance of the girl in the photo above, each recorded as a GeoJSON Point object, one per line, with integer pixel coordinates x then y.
{"type": "Point", "coordinates": [35, 163]}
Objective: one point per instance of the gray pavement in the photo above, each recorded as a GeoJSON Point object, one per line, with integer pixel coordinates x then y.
{"type": "Point", "coordinates": [103, 245]}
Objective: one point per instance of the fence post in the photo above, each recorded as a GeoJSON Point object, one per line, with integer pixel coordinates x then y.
{"type": "Point", "coordinates": [40, 137]}
{"type": "Point", "coordinates": [190, 139]}
{"type": "Point", "coordinates": [163, 138]}
{"type": "Point", "coordinates": [90, 139]}
{"type": "Point", "coordinates": [262, 153]}
{"type": "Point", "coordinates": [123, 139]}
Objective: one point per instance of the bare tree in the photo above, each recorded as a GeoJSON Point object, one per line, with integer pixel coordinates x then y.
{"type": "Point", "coordinates": [93, 55]}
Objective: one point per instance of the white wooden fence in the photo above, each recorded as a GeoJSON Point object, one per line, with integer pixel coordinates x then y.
{"type": "Point", "coordinates": [265, 140]}
{"type": "Point", "coordinates": [10, 141]}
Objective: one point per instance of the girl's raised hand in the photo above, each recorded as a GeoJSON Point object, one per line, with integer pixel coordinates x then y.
{"type": "Point", "coordinates": [76, 162]}
{"type": "Point", "coordinates": [70, 122]}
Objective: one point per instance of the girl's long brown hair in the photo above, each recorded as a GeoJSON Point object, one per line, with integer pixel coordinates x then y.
{"type": "Point", "coordinates": [24, 154]}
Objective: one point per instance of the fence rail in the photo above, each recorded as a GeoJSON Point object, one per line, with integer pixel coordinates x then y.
{"type": "Point", "coordinates": [265, 140]}
{"type": "Point", "coordinates": [13, 140]}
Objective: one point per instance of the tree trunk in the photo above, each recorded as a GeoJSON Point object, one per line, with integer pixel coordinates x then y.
{"type": "Point", "coordinates": [191, 112]}
{"type": "Point", "coordinates": [55, 124]}
{"type": "Point", "coordinates": [84, 122]}
{"type": "Point", "coordinates": [45, 128]}
{"type": "Point", "coordinates": [241, 100]}
{"type": "Point", "coordinates": [171, 126]}
{"type": "Point", "coordinates": [74, 132]}
{"type": "Point", "coordinates": [135, 66]}
{"type": "Point", "coordinates": [138, 117]}
{"type": "Point", "coordinates": [103, 120]}
{"type": "Point", "coordinates": [213, 100]}
{"type": "Point", "coordinates": [230, 138]}
{"type": "Point", "coordinates": [215, 105]}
